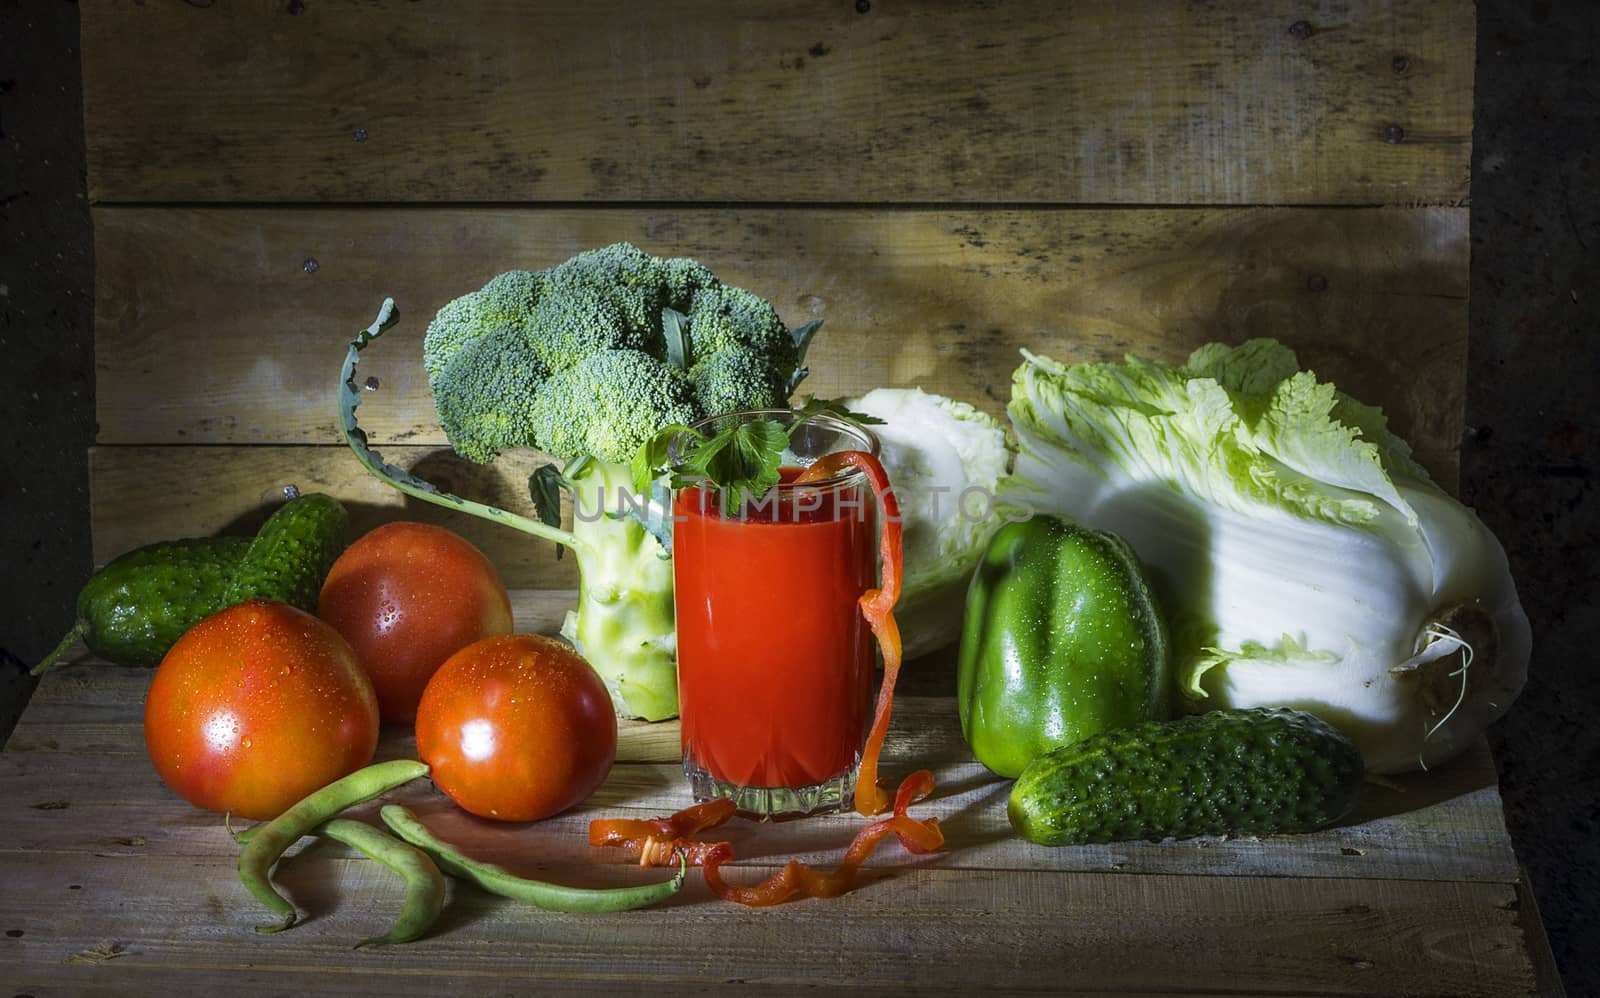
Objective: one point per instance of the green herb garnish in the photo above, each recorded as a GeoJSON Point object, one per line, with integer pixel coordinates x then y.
{"type": "Point", "coordinates": [741, 462]}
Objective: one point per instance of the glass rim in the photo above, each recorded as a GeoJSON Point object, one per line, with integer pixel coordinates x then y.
{"type": "Point", "coordinates": [849, 476]}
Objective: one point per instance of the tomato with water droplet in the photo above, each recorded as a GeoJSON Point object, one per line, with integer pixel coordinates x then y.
{"type": "Point", "coordinates": [517, 727]}
{"type": "Point", "coordinates": [257, 706]}
{"type": "Point", "coordinates": [407, 596]}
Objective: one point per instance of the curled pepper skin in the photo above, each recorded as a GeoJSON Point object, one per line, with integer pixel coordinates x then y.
{"type": "Point", "coordinates": [654, 840]}
{"type": "Point", "coordinates": [796, 879]}
{"type": "Point", "coordinates": [877, 607]}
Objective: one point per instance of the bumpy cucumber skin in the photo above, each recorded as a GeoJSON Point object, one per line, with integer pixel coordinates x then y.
{"type": "Point", "coordinates": [133, 609]}
{"type": "Point", "coordinates": [292, 552]}
{"type": "Point", "coordinates": [1263, 771]}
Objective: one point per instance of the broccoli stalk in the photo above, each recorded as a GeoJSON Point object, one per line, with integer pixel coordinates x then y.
{"type": "Point", "coordinates": [588, 361]}
{"type": "Point", "coordinates": [624, 594]}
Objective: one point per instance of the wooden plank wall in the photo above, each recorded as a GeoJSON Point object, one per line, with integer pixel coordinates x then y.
{"type": "Point", "coordinates": [942, 182]}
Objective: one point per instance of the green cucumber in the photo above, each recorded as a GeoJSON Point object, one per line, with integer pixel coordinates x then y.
{"type": "Point", "coordinates": [134, 609]}
{"type": "Point", "coordinates": [292, 552]}
{"type": "Point", "coordinates": [1262, 771]}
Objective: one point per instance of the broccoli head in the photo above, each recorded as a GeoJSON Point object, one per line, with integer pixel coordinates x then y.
{"type": "Point", "coordinates": [629, 280]}
{"type": "Point", "coordinates": [609, 404]}
{"type": "Point", "coordinates": [578, 321]}
{"type": "Point", "coordinates": [574, 359]}
{"type": "Point", "coordinates": [485, 393]}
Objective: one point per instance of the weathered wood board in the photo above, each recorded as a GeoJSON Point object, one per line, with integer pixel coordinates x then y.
{"type": "Point", "coordinates": [144, 494]}
{"type": "Point", "coordinates": [210, 330]}
{"type": "Point", "coordinates": [114, 879]}
{"type": "Point", "coordinates": [1110, 102]}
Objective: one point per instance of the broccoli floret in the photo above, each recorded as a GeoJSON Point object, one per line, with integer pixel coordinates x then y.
{"type": "Point", "coordinates": [576, 321]}
{"type": "Point", "coordinates": [725, 318]}
{"type": "Point", "coordinates": [485, 394]}
{"type": "Point", "coordinates": [683, 277]}
{"type": "Point", "coordinates": [630, 281]}
{"type": "Point", "coordinates": [506, 302]}
{"type": "Point", "coordinates": [736, 379]}
{"type": "Point", "coordinates": [609, 404]}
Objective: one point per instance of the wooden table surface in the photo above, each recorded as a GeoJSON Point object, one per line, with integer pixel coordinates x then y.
{"type": "Point", "coordinates": [113, 885]}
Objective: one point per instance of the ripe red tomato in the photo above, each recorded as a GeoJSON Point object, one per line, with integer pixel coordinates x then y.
{"type": "Point", "coordinates": [257, 706]}
{"type": "Point", "coordinates": [407, 596]}
{"type": "Point", "coordinates": [517, 727]}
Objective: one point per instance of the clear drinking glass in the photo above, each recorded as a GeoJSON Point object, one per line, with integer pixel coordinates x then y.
{"type": "Point", "coordinates": [775, 660]}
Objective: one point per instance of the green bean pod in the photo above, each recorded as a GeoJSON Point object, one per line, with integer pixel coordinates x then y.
{"type": "Point", "coordinates": [242, 836]}
{"type": "Point", "coordinates": [424, 882]}
{"type": "Point", "coordinates": [551, 897]}
{"type": "Point", "coordinates": [277, 835]}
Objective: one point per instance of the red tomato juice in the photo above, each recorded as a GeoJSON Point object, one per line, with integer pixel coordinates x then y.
{"type": "Point", "coordinates": [774, 659]}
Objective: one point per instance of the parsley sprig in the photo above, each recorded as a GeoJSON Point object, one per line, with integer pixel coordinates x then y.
{"type": "Point", "coordinates": [742, 462]}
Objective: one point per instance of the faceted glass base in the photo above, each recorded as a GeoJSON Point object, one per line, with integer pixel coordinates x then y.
{"type": "Point", "coordinates": [774, 803]}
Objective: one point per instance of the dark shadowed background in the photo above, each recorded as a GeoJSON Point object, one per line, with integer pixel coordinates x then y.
{"type": "Point", "coordinates": [1528, 459]}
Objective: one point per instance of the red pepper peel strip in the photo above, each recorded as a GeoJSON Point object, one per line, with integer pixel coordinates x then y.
{"type": "Point", "coordinates": [655, 839]}
{"type": "Point", "coordinates": [648, 837]}
{"type": "Point", "coordinates": [798, 879]}
{"type": "Point", "coordinates": [877, 606]}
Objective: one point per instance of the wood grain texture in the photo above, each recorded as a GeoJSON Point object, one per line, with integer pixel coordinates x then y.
{"type": "Point", "coordinates": [210, 330]}
{"type": "Point", "coordinates": [1066, 931]}
{"type": "Point", "coordinates": [930, 929]}
{"type": "Point", "coordinates": [1029, 101]}
{"type": "Point", "coordinates": [1440, 826]}
{"type": "Point", "coordinates": [144, 494]}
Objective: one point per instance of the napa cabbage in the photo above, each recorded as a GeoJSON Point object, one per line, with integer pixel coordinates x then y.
{"type": "Point", "coordinates": [1305, 557]}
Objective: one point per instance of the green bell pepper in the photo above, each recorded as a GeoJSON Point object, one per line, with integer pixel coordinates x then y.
{"type": "Point", "coordinates": [1063, 639]}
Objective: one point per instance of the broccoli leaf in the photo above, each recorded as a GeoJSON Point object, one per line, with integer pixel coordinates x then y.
{"type": "Point", "coordinates": [674, 325]}
{"type": "Point", "coordinates": [544, 485]}
{"type": "Point", "coordinates": [832, 407]}
{"type": "Point", "coordinates": [802, 336]}
{"type": "Point", "coordinates": [405, 481]}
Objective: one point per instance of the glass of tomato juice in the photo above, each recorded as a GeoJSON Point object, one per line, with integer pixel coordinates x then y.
{"type": "Point", "coordinates": [775, 660]}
